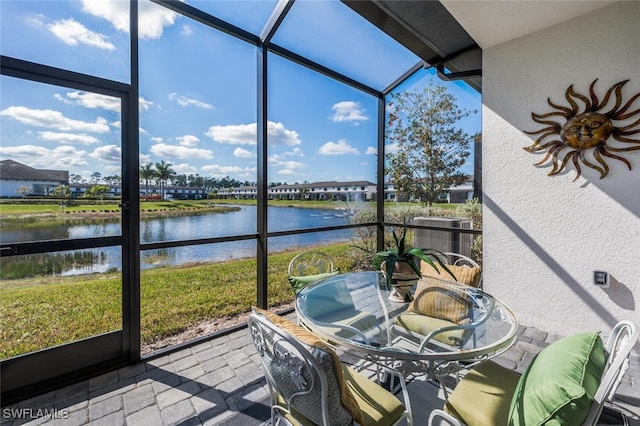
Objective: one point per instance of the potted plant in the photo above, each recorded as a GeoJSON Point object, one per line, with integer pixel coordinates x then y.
{"type": "Point", "coordinates": [401, 267]}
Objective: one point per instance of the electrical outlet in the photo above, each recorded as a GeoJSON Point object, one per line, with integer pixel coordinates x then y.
{"type": "Point", "coordinates": [601, 278]}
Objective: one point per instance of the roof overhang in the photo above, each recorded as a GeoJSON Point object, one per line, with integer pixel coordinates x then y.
{"type": "Point", "coordinates": [429, 30]}
{"type": "Point", "coordinates": [452, 33]}
{"type": "Point", "coordinates": [492, 22]}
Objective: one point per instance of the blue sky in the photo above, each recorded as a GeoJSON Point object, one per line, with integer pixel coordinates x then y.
{"type": "Point", "coordinates": [198, 90]}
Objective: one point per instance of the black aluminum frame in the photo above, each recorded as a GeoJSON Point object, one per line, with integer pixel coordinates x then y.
{"type": "Point", "coordinates": [36, 372]}
{"type": "Point", "coordinates": [25, 375]}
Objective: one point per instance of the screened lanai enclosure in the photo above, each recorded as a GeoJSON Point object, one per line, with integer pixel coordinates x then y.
{"type": "Point", "coordinates": [249, 105]}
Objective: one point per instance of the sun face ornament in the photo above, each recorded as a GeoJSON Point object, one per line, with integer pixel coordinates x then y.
{"type": "Point", "coordinates": [573, 132]}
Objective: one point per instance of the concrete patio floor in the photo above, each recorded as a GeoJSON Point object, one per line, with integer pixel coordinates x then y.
{"type": "Point", "coordinates": [220, 382]}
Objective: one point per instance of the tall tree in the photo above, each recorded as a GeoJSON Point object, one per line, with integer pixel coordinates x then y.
{"type": "Point", "coordinates": [112, 180]}
{"type": "Point", "coordinates": [423, 125]}
{"type": "Point", "coordinates": [181, 180]}
{"type": "Point", "coordinates": [74, 178]}
{"type": "Point", "coordinates": [164, 173]}
{"type": "Point", "coordinates": [198, 182]}
{"type": "Point", "coordinates": [96, 176]}
{"type": "Point", "coordinates": [210, 183]}
{"type": "Point", "coordinates": [147, 173]}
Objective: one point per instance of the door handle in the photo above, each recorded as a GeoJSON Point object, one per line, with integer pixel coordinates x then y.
{"type": "Point", "coordinates": [8, 251]}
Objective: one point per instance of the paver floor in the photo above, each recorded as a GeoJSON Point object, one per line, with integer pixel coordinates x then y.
{"type": "Point", "coordinates": [220, 382]}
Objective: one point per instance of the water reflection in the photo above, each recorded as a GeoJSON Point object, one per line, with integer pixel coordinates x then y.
{"type": "Point", "coordinates": [159, 229]}
{"type": "Point", "coordinates": [160, 257]}
{"type": "Point", "coordinates": [78, 262]}
{"type": "Point", "coordinates": [176, 228]}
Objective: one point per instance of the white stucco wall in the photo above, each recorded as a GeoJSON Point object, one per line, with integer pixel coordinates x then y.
{"type": "Point", "coordinates": [544, 236]}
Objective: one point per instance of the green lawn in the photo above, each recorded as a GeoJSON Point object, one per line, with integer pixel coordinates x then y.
{"type": "Point", "coordinates": [80, 206]}
{"type": "Point", "coordinates": [37, 314]}
{"type": "Point", "coordinates": [13, 208]}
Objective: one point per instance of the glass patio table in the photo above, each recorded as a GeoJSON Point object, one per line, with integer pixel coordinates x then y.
{"type": "Point", "coordinates": [353, 312]}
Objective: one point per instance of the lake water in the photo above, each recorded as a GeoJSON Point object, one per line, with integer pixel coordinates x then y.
{"type": "Point", "coordinates": [161, 229]}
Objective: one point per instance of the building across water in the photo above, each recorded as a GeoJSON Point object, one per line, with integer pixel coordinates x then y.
{"type": "Point", "coordinates": [14, 176]}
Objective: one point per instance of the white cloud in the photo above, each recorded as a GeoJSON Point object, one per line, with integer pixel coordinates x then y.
{"type": "Point", "coordinates": [187, 30]}
{"type": "Point", "coordinates": [348, 111]}
{"type": "Point", "coordinates": [143, 104]}
{"type": "Point", "coordinates": [246, 134]}
{"type": "Point", "coordinates": [68, 138]}
{"type": "Point", "coordinates": [182, 152]}
{"type": "Point", "coordinates": [116, 12]}
{"type": "Point", "coordinates": [243, 153]}
{"type": "Point", "coordinates": [240, 134]}
{"type": "Point", "coordinates": [222, 171]}
{"type": "Point", "coordinates": [184, 168]}
{"type": "Point", "coordinates": [59, 158]}
{"type": "Point", "coordinates": [189, 141]}
{"type": "Point", "coordinates": [371, 150]}
{"type": "Point", "coordinates": [279, 135]}
{"type": "Point", "coordinates": [74, 33]}
{"type": "Point", "coordinates": [275, 159]}
{"type": "Point", "coordinates": [108, 153]}
{"type": "Point", "coordinates": [152, 18]}
{"type": "Point", "coordinates": [296, 152]}
{"type": "Point", "coordinates": [184, 101]}
{"type": "Point", "coordinates": [294, 165]}
{"type": "Point", "coordinates": [340, 148]}
{"type": "Point", "coordinates": [90, 100]}
{"type": "Point", "coordinates": [391, 148]}
{"type": "Point", "coordinates": [36, 21]}
{"type": "Point", "coordinates": [286, 172]}
{"type": "Point", "coordinates": [144, 159]}
{"type": "Point", "coordinates": [53, 119]}
{"type": "Point", "coordinates": [286, 167]}
{"type": "Point", "coordinates": [157, 139]}
{"type": "Point", "coordinates": [114, 169]}
{"type": "Point", "coordinates": [279, 161]}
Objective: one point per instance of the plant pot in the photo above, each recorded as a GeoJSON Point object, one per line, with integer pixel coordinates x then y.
{"type": "Point", "coordinates": [402, 280]}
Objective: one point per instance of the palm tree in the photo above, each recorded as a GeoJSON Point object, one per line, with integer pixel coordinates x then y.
{"type": "Point", "coordinates": [164, 172]}
{"type": "Point", "coordinates": [147, 172]}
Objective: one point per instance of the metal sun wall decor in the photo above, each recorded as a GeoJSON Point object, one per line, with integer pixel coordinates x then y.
{"type": "Point", "coordinates": [586, 130]}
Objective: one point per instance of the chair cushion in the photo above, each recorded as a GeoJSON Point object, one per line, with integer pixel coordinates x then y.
{"type": "Point", "coordinates": [483, 396]}
{"type": "Point", "coordinates": [330, 363]}
{"type": "Point", "coordinates": [298, 283]}
{"type": "Point", "coordinates": [379, 407]}
{"type": "Point", "coordinates": [423, 325]}
{"type": "Point", "coordinates": [464, 274]}
{"type": "Point", "coordinates": [559, 385]}
{"type": "Point", "coordinates": [436, 300]}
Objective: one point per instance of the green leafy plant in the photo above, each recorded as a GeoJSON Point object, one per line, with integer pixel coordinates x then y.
{"type": "Point", "coordinates": [402, 253]}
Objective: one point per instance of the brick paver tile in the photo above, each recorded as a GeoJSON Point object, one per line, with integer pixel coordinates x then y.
{"type": "Point", "coordinates": [149, 416]}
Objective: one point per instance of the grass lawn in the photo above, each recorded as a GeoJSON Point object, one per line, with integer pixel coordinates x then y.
{"type": "Point", "coordinates": [49, 311]}
{"type": "Point", "coordinates": [42, 312]}
{"type": "Point", "coordinates": [9, 209]}
{"type": "Point", "coordinates": [84, 206]}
